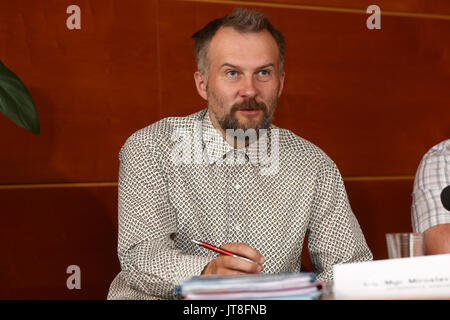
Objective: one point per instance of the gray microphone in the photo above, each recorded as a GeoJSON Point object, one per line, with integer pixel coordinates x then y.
{"type": "Point", "coordinates": [445, 197]}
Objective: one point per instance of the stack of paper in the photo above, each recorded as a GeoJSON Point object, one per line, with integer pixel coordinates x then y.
{"type": "Point", "coordinates": [286, 286]}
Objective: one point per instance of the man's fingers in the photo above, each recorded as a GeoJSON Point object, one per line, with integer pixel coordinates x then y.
{"type": "Point", "coordinates": [241, 249]}
{"type": "Point", "coordinates": [227, 265]}
{"type": "Point", "coordinates": [229, 272]}
{"type": "Point", "coordinates": [238, 264]}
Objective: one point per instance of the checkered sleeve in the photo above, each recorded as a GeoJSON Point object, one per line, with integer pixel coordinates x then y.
{"type": "Point", "coordinates": [432, 176]}
{"type": "Point", "coordinates": [150, 262]}
{"type": "Point", "coordinates": [334, 235]}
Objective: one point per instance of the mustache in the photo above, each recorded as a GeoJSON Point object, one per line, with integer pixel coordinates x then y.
{"type": "Point", "coordinates": [249, 104]}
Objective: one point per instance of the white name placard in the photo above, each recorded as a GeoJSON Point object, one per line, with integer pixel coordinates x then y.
{"type": "Point", "coordinates": [424, 277]}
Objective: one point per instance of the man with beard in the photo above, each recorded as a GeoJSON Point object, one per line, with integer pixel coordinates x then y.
{"type": "Point", "coordinates": [227, 176]}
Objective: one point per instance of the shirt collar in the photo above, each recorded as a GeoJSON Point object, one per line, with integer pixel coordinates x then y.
{"type": "Point", "coordinates": [214, 145]}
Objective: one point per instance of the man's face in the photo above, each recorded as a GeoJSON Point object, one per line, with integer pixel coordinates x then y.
{"type": "Point", "coordinates": [243, 79]}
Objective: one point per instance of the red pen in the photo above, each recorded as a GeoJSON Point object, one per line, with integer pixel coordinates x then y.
{"type": "Point", "coordinates": [221, 251]}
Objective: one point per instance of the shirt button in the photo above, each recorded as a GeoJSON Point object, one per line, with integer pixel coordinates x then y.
{"type": "Point", "coordinates": [237, 186]}
{"type": "Point", "coordinates": [237, 227]}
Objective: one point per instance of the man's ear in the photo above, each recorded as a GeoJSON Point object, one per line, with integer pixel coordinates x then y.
{"type": "Point", "coordinates": [281, 84]}
{"type": "Point", "coordinates": [201, 83]}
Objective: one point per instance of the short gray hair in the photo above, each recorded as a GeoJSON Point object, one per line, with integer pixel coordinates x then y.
{"type": "Point", "coordinates": [242, 20]}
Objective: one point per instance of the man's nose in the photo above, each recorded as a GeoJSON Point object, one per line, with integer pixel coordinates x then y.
{"type": "Point", "coordinates": [248, 88]}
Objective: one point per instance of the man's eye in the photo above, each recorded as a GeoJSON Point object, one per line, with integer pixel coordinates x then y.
{"type": "Point", "coordinates": [263, 73]}
{"type": "Point", "coordinates": [232, 73]}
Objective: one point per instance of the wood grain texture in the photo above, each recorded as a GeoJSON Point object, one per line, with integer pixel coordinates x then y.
{"type": "Point", "coordinates": [47, 230]}
{"type": "Point", "coordinates": [381, 207]}
{"type": "Point", "coordinates": [437, 7]}
{"type": "Point", "coordinates": [92, 87]}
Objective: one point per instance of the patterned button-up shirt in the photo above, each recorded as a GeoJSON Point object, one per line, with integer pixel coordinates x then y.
{"type": "Point", "coordinates": [180, 180]}
{"type": "Point", "coordinates": [432, 176]}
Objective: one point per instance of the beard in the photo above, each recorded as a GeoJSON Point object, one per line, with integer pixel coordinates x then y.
{"type": "Point", "coordinates": [230, 121]}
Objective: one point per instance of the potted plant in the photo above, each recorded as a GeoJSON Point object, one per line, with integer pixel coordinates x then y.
{"type": "Point", "coordinates": [16, 102]}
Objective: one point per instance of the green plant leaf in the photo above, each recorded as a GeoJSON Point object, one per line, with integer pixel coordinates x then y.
{"type": "Point", "coordinates": [16, 102]}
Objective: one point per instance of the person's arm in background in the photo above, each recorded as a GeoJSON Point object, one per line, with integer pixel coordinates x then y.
{"type": "Point", "coordinates": [334, 235]}
{"type": "Point", "coordinates": [428, 214]}
{"type": "Point", "coordinates": [437, 239]}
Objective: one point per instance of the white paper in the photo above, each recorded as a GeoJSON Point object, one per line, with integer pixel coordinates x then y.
{"type": "Point", "coordinates": [425, 277]}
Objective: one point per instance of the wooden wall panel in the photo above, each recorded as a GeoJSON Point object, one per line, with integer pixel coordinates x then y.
{"type": "Point", "coordinates": [365, 96]}
{"type": "Point", "coordinates": [381, 207]}
{"type": "Point", "coordinates": [45, 230]}
{"type": "Point", "coordinates": [92, 87]}
{"type": "Point", "coordinates": [178, 93]}
{"type": "Point", "coordinates": [437, 7]}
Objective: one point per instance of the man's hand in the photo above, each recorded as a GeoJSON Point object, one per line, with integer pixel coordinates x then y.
{"type": "Point", "coordinates": [437, 239]}
{"type": "Point", "coordinates": [226, 265]}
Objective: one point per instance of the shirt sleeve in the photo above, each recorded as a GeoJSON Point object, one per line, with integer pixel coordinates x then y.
{"type": "Point", "coordinates": [431, 178]}
{"type": "Point", "coordinates": [149, 259]}
{"type": "Point", "coordinates": [334, 235]}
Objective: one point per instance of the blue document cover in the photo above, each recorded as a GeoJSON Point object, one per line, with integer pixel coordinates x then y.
{"type": "Point", "coordinates": [299, 285]}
